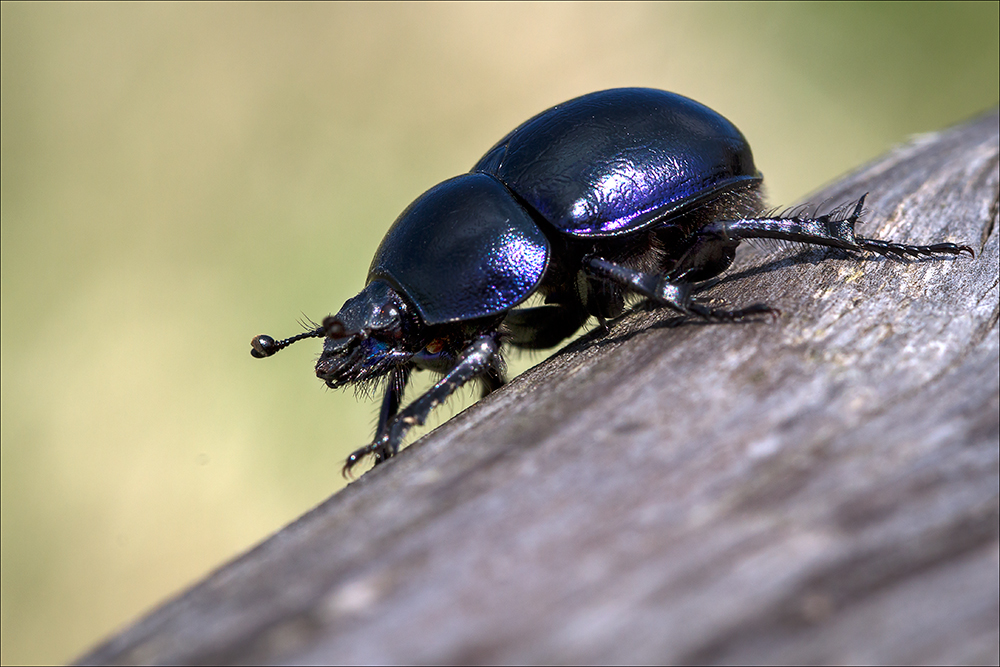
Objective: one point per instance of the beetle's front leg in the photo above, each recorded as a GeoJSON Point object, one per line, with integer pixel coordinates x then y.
{"type": "Point", "coordinates": [474, 360]}
{"type": "Point", "coordinates": [395, 386]}
{"type": "Point", "coordinates": [677, 295]}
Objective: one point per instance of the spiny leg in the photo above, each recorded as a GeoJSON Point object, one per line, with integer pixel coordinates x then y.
{"type": "Point", "coordinates": [902, 251]}
{"type": "Point", "coordinates": [472, 362]}
{"type": "Point", "coordinates": [677, 295]}
{"type": "Point", "coordinates": [833, 229]}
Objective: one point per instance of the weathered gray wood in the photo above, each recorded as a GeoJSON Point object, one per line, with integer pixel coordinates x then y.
{"type": "Point", "coordinates": [822, 489]}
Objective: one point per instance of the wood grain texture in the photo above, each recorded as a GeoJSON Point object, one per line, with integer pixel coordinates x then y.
{"type": "Point", "coordinates": [821, 489]}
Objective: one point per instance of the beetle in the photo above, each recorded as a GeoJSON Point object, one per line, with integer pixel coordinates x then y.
{"type": "Point", "coordinates": [619, 193]}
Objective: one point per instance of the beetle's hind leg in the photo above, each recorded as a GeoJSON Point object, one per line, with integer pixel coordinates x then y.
{"type": "Point", "coordinates": [834, 229]}
{"type": "Point", "coordinates": [475, 360]}
{"type": "Point", "coordinates": [903, 251]}
{"type": "Point", "coordinates": [677, 295]}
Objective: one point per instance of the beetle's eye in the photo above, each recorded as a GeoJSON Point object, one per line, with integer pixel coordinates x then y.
{"type": "Point", "coordinates": [387, 317]}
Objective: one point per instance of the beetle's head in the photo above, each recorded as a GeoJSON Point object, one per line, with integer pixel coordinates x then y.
{"type": "Point", "coordinates": [362, 342]}
{"type": "Point", "coordinates": [364, 339]}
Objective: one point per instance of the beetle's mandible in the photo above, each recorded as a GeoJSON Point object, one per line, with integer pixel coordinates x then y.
{"type": "Point", "coordinates": [631, 191]}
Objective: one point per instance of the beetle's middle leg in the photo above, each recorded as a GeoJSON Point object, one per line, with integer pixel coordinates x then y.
{"type": "Point", "coordinates": [476, 359]}
{"type": "Point", "coordinates": [659, 288]}
{"type": "Point", "coordinates": [542, 327]}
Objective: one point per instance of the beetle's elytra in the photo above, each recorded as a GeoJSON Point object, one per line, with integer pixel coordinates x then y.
{"type": "Point", "coordinates": [631, 191]}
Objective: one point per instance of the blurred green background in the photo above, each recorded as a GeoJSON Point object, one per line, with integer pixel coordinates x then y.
{"type": "Point", "coordinates": [179, 177]}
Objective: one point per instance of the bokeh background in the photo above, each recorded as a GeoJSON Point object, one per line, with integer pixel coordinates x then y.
{"type": "Point", "coordinates": [179, 177]}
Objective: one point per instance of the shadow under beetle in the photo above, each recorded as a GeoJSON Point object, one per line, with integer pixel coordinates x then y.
{"type": "Point", "coordinates": [627, 191]}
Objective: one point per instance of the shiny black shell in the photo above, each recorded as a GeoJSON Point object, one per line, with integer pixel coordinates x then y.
{"type": "Point", "coordinates": [603, 165]}
{"type": "Point", "coordinates": [616, 161]}
{"type": "Point", "coordinates": [464, 249]}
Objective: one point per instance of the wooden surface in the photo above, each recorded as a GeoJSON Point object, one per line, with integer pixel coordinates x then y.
{"type": "Point", "coordinates": [821, 489]}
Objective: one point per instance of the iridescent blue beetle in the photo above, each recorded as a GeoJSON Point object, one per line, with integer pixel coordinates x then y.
{"type": "Point", "coordinates": [627, 191]}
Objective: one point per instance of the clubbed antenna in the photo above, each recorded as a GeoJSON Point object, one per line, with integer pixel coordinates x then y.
{"type": "Point", "coordinates": [264, 346]}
